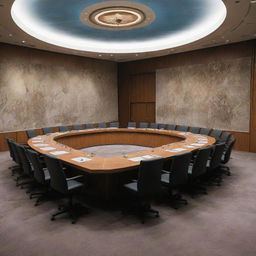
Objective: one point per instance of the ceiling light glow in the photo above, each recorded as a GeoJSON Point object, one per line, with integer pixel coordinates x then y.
{"type": "Point", "coordinates": [31, 24]}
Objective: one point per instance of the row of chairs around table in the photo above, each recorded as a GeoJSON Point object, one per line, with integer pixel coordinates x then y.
{"type": "Point", "coordinates": [64, 128]}
{"type": "Point", "coordinates": [219, 135]}
{"type": "Point", "coordinates": [184, 170]}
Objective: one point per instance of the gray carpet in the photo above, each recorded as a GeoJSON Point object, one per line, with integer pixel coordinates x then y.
{"type": "Point", "coordinates": [221, 223]}
{"type": "Point", "coordinates": [114, 150]}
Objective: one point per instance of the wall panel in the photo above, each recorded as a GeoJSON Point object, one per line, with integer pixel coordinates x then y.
{"type": "Point", "coordinates": [43, 89]}
{"type": "Point", "coordinates": [246, 137]}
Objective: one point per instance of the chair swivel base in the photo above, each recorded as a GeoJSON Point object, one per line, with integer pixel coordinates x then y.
{"type": "Point", "coordinates": [142, 211]}
{"type": "Point", "coordinates": [72, 211]}
{"type": "Point", "coordinates": [176, 200]}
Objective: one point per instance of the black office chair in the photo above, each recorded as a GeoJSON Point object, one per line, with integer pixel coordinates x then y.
{"type": "Point", "coordinates": [195, 130]}
{"type": "Point", "coordinates": [216, 134]}
{"type": "Point", "coordinates": [143, 125]}
{"type": "Point", "coordinates": [114, 125]}
{"type": "Point", "coordinates": [47, 130]}
{"type": "Point", "coordinates": [131, 125]}
{"type": "Point", "coordinates": [78, 127]}
{"type": "Point", "coordinates": [148, 186]}
{"type": "Point", "coordinates": [171, 127]}
{"type": "Point", "coordinates": [13, 168]}
{"type": "Point", "coordinates": [214, 164]}
{"type": "Point", "coordinates": [65, 186]}
{"type": "Point", "coordinates": [41, 175]}
{"type": "Point", "coordinates": [31, 133]}
{"type": "Point", "coordinates": [17, 160]}
{"type": "Point", "coordinates": [89, 126]}
{"type": "Point", "coordinates": [63, 128]}
{"type": "Point", "coordinates": [102, 125]}
{"type": "Point", "coordinates": [197, 169]}
{"type": "Point", "coordinates": [176, 177]}
{"type": "Point", "coordinates": [205, 131]}
{"type": "Point", "coordinates": [153, 126]}
{"type": "Point", "coordinates": [225, 137]}
{"type": "Point", "coordinates": [26, 166]}
{"type": "Point", "coordinates": [227, 154]}
{"type": "Point", "coordinates": [182, 128]}
{"type": "Point", "coordinates": [161, 126]}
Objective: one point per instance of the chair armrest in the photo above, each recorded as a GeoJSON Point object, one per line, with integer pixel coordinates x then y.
{"type": "Point", "coordinates": [75, 177]}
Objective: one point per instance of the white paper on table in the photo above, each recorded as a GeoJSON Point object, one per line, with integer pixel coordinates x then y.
{"type": "Point", "coordinates": [140, 158]}
{"type": "Point", "coordinates": [131, 127]}
{"type": "Point", "coordinates": [81, 159]}
{"type": "Point", "coordinates": [136, 159]}
{"type": "Point", "coordinates": [198, 144]}
{"type": "Point", "coordinates": [47, 148]}
{"type": "Point", "coordinates": [37, 141]}
{"type": "Point", "coordinates": [41, 145]}
{"type": "Point", "coordinates": [182, 133]}
{"type": "Point", "coordinates": [175, 150]}
{"type": "Point", "coordinates": [188, 146]}
{"type": "Point", "coordinates": [57, 153]}
{"type": "Point", "coordinates": [148, 157]}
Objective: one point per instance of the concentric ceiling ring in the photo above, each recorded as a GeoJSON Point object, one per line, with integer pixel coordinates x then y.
{"type": "Point", "coordinates": [172, 24]}
{"type": "Point", "coordinates": [117, 15]}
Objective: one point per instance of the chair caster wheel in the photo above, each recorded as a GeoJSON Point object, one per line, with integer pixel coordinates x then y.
{"type": "Point", "coordinates": [73, 222]}
{"type": "Point", "coordinates": [157, 215]}
{"type": "Point", "coordinates": [52, 218]}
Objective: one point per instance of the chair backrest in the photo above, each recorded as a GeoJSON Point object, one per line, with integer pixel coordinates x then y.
{"type": "Point", "coordinates": [114, 125]}
{"type": "Point", "coordinates": [205, 131]}
{"type": "Point", "coordinates": [171, 127]}
{"type": "Point", "coordinates": [131, 125]}
{"type": "Point", "coordinates": [200, 162]}
{"type": "Point", "coordinates": [182, 128]}
{"type": "Point", "coordinates": [31, 133]}
{"type": "Point", "coordinates": [149, 177]}
{"type": "Point", "coordinates": [17, 159]}
{"type": "Point", "coordinates": [9, 140]}
{"type": "Point", "coordinates": [25, 163]}
{"type": "Point", "coordinates": [161, 126]}
{"type": "Point", "coordinates": [216, 133]}
{"type": "Point", "coordinates": [102, 125]}
{"type": "Point", "coordinates": [215, 160]}
{"type": "Point", "coordinates": [89, 126]}
{"type": "Point", "coordinates": [195, 129]}
{"type": "Point", "coordinates": [179, 169]}
{"type": "Point", "coordinates": [143, 125]}
{"type": "Point", "coordinates": [78, 127]}
{"type": "Point", "coordinates": [47, 130]}
{"type": "Point", "coordinates": [37, 165]}
{"type": "Point", "coordinates": [229, 148]}
{"type": "Point", "coordinates": [58, 177]}
{"type": "Point", "coordinates": [153, 125]}
{"type": "Point", "coordinates": [63, 128]}
{"type": "Point", "coordinates": [225, 137]}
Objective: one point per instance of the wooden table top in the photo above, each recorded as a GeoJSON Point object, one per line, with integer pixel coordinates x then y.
{"type": "Point", "coordinates": [183, 142]}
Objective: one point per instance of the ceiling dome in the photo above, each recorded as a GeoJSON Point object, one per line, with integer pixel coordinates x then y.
{"type": "Point", "coordinates": [119, 26]}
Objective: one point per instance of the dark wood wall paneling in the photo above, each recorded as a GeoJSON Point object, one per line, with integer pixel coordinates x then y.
{"type": "Point", "coordinates": [246, 141]}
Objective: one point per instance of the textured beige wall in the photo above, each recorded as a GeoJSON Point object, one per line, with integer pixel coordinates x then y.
{"type": "Point", "coordinates": [40, 89]}
{"type": "Point", "coordinates": [215, 94]}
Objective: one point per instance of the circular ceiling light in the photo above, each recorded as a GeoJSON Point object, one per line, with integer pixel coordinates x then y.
{"type": "Point", "coordinates": [110, 16]}
{"type": "Point", "coordinates": [117, 17]}
{"type": "Point", "coordinates": [127, 27]}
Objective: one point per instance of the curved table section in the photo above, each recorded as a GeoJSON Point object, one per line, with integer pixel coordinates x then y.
{"type": "Point", "coordinates": [163, 143]}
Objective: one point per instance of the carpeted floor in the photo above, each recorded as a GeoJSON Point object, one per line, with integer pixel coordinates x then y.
{"type": "Point", "coordinates": [221, 223]}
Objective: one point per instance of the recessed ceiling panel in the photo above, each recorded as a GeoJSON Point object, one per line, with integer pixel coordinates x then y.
{"type": "Point", "coordinates": [119, 26]}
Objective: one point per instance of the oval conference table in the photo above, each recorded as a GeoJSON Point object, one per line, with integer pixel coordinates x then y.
{"type": "Point", "coordinates": [106, 173]}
